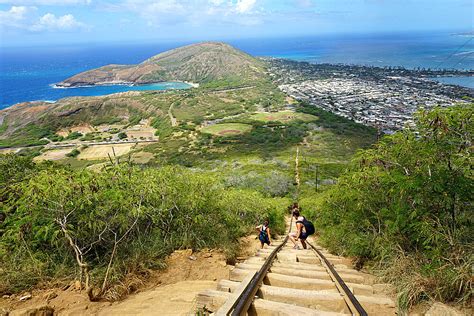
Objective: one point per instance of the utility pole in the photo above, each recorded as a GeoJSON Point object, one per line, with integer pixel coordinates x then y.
{"type": "Point", "coordinates": [297, 173]}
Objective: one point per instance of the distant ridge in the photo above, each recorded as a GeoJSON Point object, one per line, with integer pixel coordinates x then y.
{"type": "Point", "coordinates": [198, 63]}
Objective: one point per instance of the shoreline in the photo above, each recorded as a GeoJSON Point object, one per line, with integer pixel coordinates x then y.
{"type": "Point", "coordinates": [119, 83]}
{"type": "Point", "coordinates": [108, 84]}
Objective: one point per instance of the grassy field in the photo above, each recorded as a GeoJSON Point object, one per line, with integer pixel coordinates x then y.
{"type": "Point", "coordinates": [103, 151]}
{"type": "Point", "coordinates": [227, 129]}
{"type": "Point", "coordinates": [283, 117]}
{"type": "Point", "coordinates": [55, 154]}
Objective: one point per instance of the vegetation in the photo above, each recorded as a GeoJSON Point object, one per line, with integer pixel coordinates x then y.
{"type": "Point", "coordinates": [74, 153]}
{"type": "Point", "coordinates": [123, 219]}
{"type": "Point", "coordinates": [406, 206]}
{"type": "Point", "coordinates": [226, 129]}
{"type": "Point", "coordinates": [73, 135]}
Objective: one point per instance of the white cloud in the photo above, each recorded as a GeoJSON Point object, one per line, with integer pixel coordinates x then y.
{"type": "Point", "coordinates": [50, 22]}
{"type": "Point", "coordinates": [45, 2]}
{"type": "Point", "coordinates": [27, 18]}
{"type": "Point", "coordinates": [244, 6]}
{"type": "Point", "coordinates": [15, 17]}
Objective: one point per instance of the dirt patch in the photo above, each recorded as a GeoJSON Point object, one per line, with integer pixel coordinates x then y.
{"type": "Point", "coordinates": [168, 292]}
{"type": "Point", "coordinates": [144, 132]}
{"type": "Point", "coordinates": [229, 131]}
{"type": "Point", "coordinates": [55, 154]}
{"type": "Point", "coordinates": [83, 129]}
{"type": "Point", "coordinates": [103, 151]}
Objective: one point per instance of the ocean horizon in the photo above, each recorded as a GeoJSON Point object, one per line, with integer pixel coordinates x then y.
{"type": "Point", "coordinates": [29, 74]}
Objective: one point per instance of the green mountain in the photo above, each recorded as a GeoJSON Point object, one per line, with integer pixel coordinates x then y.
{"type": "Point", "coordinates": [199, 63]}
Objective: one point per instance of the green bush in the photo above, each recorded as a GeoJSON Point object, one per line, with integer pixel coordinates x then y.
{"type": "Point", "coordinates": [407, 206]}
{"type": "Point", "coordinates": [74, 153]}
{"type": "Point", "coordinates": [124, 218]}
{"type": "Point", "coordinates": [73, 135]}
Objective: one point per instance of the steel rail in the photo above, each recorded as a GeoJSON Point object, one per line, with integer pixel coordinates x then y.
{"type": "Point", "coordinates": [349, 297]}
{"type": "Point", "coordinates": [242, 304]}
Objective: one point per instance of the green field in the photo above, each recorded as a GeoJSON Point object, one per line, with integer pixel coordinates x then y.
{"type": "Point", "coordinates": [283, 116]}
{"type": "Point", "coordinates": [226, 129]}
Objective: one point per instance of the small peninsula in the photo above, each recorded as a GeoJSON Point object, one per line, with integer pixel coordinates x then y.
{"type": "Point", "coordinates": [197, 63]}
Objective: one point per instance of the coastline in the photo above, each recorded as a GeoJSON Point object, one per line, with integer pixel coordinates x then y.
{"type": "Point", "coordinates": [119, 83]}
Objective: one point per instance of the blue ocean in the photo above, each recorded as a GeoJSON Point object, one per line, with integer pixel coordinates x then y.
{"type": "Point", "coordinates": [29, 73]}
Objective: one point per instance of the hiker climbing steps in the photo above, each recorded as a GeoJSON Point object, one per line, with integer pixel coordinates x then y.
{"type": "Point", "coordinates": [281, 280]}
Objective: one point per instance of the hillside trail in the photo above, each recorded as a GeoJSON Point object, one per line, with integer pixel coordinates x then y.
{"type": "Point", "coordinates": [173, 120]}
{"type": "Point", "coordinates": [168, 292]}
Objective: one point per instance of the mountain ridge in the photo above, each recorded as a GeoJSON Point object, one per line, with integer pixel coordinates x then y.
{"type": "Point", "coordinates": [199, 63]}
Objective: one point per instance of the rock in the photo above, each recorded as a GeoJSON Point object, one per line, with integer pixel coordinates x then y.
{"type": "Point", "coordinates": [185, 252]}
{"type": "Point", "coordinates": [25, 297]}
{"type": "Point", "coordinates": [49, 296]}
{"type": "Point", "coordinates": [78, 285]}
{"type": "Point", "coordinates": [44, 310]}
{"type": "Point", "coordinates": [223, 263]}
{"type": "Point", "coordinates": [439, 309]}
{"type": "Point", "coordinates": [4, 312]}
{"type": "Point", "coordinates": [192, 258]}
{"type": "Point", "coordinates": [6, 296]}
{"type": "Point", "coordinates": [207, 255]}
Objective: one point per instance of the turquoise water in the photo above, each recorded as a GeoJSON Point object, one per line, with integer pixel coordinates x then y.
{"type": "Point", "coordinates": [29, 74]}
{"type": "Point", "coordinates": [109, 89]}
{"type": "Point", "coordinates": [459, 81]}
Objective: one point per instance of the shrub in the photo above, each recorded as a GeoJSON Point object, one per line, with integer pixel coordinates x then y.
{"type": "Point", "coordinates": [102, 225]}
{"type": "Point", "coordinates": [407, 205]}
{"type": "Point", "coordinates": [73, 135]}
{"type": "Point", "coordinates": [74, 153]}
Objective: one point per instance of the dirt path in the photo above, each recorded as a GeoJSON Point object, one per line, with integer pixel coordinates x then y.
{"type": "Point", "coordinates": [173, 120]}
{"type": "Point", "coordinates": [168, 292]}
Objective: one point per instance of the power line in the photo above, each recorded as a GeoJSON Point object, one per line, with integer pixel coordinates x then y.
{"type": "Point", "coordinates": [457, 51]}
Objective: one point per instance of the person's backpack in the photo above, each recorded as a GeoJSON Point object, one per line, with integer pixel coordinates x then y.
{"type": "Point", "coordinates": [308, 226]}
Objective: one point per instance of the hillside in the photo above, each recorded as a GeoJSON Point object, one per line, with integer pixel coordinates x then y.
{"type": "Point", "coordinates": [199, 63]}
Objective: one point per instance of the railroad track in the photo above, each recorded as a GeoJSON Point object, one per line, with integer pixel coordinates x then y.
{"type": "Point", "coordinates": [280, 280]}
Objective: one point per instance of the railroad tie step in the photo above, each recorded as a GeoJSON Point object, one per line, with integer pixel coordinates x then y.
{"type": "Point", "coordinates": [295, 282]}
{"type": "Point", "coordinates": [238, 275]}
{"type": "Point", "coordinates": [320, 300]}
{"type": "Point", "coordinates": [286, 257]}
{"type": "Point", "coordinates": [377, 305]}
{"type": "Point", "coordinates": [249, 265]}
{"type": "Point", "coordinates": [299, 266]}
{"type": "Point", "coordinates": [259, 260]}
{"type": "Point", "coordinates": [211, 300]}
{"type": "Point", "coordinates": [263, 307]}
{"type": "Point", "coordinates": [227, 285]}
{"type": "Point", "coordinates": [312, 259]}
{"type": "Point", "coordinates": [302, 273]}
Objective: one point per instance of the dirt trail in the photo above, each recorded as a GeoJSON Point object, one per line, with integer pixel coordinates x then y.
{"type": "Point", "coordinates": [168, 292]}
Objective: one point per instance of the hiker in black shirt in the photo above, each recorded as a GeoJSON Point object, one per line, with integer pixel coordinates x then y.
{"type": "Point", "coordinates": [304, 228]}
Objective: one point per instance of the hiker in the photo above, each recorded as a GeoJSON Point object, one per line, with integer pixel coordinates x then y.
{"type": "Point", "coordinates": [264, 233]}
{"type": "Point", "coordinates": [304, 228]}
{"type": "Point", "coordinates": [294, 207]}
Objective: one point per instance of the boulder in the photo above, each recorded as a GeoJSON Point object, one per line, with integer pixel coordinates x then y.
{"type": "Point", "coordinates": [439, 309]}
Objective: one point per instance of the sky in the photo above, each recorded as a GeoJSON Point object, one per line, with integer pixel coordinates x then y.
{"type": "Point", "coordinates": [53, 22]}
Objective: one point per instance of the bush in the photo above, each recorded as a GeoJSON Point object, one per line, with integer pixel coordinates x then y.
{"type": "Point", "coordinates": [74, 153]}
{"type": "Point", "coordinates": [407, 206]}
{"type": "Point", "coordinates": [122, 135]}
{"type": "Point", "coordinates": [73, 135]}
{"type": "Point", "coordinates": [103, 225]}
